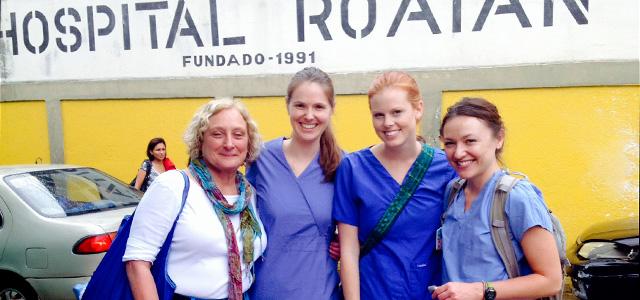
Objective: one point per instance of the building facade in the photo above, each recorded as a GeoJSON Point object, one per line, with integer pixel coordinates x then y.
{"type": "Point", "coordinates": [91, 82]}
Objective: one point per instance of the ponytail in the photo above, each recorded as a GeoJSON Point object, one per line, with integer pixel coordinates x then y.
{"type": "Point", "coordinates": [330, 154]}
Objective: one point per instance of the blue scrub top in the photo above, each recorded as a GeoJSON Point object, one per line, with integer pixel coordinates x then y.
{"type": "Point", "coordinates": [469, 254]}
{"type": "Point", "coordinates": [296, 214]}
{"type": "Point", "coordinates": [404, 263]}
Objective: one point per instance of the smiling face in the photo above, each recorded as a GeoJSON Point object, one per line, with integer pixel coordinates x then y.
{"type": "Point", "coordinates": [309, 112]}
{"type": "Point", "coordinates": [394, 118]}
{"type": "Point", "coordinates": [225, 142]}
{"type": "Point", "coordinates": [159, 152]}
{"type": "Point", "coordinates": [471, 146]}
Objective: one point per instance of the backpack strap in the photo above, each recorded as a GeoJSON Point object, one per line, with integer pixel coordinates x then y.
{"type": "Point", "coordinates": [409, 185]}
{"type": "Point", "coordinates": [455, 188]}
{"type": "Point", "coordinates": [500, 230]}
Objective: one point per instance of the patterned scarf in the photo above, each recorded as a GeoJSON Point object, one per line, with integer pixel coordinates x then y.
{"type": "Point", "coordinates": [249, 227]}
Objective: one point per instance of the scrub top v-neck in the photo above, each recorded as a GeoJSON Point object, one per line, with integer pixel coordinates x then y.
{"type": "Point", "coordinates": [296, 213]}
{"type": "Point", "coordinates": [404, 263]}
{"type": "Point", "coordinates": [468, 250]}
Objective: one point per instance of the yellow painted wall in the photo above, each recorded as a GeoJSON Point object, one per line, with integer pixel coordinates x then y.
{"type": "Point", "coordinates": [578, 145]}
{"type": "Point", "coordinates": [112, 135]}
{"type": "Point", "coordinates": [351, 120]}
{"type": "Point", "coordinates": [24, 136]}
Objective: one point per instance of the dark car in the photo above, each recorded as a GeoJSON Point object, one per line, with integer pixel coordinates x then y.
{"type": "Point", "coordinates": [604, 261]}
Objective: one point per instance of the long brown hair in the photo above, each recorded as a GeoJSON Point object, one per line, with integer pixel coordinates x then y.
{"type": "Point", "coordinates": [330, 153]}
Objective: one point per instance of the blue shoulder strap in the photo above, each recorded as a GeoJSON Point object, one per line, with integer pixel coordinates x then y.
{"type": "Point", "coordinates": [185, 192]}
{"type": "Point", "coordinates": [110, 277]}
{"type": "Point", "coordinates": [166, 287]}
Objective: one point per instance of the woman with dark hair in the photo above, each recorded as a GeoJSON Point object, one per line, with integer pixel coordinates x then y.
{"type": "Point", "coordinates": [156, 164]}
{"type": "Point", "coordinates": [294, 183]}
{"type": "Point", "coordinates": [473, 135]}
{"type": "Point", "coordinates": [399, 179]}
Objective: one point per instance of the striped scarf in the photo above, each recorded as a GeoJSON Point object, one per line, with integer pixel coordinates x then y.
{"type": "Point", "coordinates": [249, 227]}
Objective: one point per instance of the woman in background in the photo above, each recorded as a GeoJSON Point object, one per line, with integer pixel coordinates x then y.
{"type": "Point", "coordinates": [157, 163]}
{"type": "Point", "coordinates": [294, 182]}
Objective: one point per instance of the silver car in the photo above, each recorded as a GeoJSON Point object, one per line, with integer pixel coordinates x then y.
{"type": "Point", "coordinates": [56, 222]}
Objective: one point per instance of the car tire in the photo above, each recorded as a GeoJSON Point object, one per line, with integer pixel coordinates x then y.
{"type": "Point", "coordinates": [17, 289]}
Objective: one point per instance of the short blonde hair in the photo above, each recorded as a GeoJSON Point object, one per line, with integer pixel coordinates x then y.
{"type": "Point", "coordinates": [200, 123]}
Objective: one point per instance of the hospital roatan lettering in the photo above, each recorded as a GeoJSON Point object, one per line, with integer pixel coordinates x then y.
{"type": "Point", "coordinates": [69, 35]}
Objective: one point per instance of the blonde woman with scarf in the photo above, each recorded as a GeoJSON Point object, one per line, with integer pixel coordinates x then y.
{"type": "Point", "coordinates": [218, 234]}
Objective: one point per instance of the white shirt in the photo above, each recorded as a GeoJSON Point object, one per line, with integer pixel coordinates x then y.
{"type": "Point", "coordinates": [197, 261]}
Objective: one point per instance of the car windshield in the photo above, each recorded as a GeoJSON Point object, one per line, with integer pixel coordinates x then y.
{"type": "Point", "coordinates": [74, 191]}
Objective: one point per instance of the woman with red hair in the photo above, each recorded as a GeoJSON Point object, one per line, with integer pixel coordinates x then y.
{"type": "Point", "coordinates": [388, 200]}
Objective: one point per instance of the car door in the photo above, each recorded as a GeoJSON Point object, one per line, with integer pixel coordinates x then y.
{"type": "Point", "coordinates": [5, 225]}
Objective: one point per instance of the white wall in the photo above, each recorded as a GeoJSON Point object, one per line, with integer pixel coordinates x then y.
{"type": "Point", "coordinates": [530, 32]}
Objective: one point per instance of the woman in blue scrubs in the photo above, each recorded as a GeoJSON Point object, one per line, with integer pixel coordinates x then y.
{"type": "Point", "coordinates": [473, 135]}
{"type": "Point", "coordinates": [404, 263]}
{"type": "Point", "coordinates": [293, 178]}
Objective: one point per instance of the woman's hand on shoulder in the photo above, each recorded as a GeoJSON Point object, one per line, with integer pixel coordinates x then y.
{"type": "Point", "coordinates": [459, 291]}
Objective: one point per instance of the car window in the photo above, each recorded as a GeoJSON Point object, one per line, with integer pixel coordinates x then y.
{"type": "Point", "coordinates": [34, 193]}
{"type": "Point", "coordinates": [74, 191]}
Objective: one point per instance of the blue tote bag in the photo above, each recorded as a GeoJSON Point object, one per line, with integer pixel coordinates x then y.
{"type": "Point", "coordinates": [110, 281]}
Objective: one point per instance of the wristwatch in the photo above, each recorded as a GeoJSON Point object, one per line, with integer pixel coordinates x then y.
{"type": "Point", "coordinates": [489, 291]}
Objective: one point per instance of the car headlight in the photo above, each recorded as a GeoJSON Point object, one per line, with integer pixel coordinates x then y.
{"type": "Point", "coordinates": [595, 250]}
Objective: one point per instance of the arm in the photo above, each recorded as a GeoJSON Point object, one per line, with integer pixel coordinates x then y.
{"type": "Point", "coordinates": [349, 260]}
{"type": "Point", "coordinates": [153, 220]}
{"type": "Point", "coordinates": [141, 280]}
{"type": "Point", "coordinates": [541, 253]}
{"type": "Point", "coordinates": [140, 178]}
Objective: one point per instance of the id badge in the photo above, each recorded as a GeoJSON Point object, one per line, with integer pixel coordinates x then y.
{"type": "Point", "coordinates": [439, 239]}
